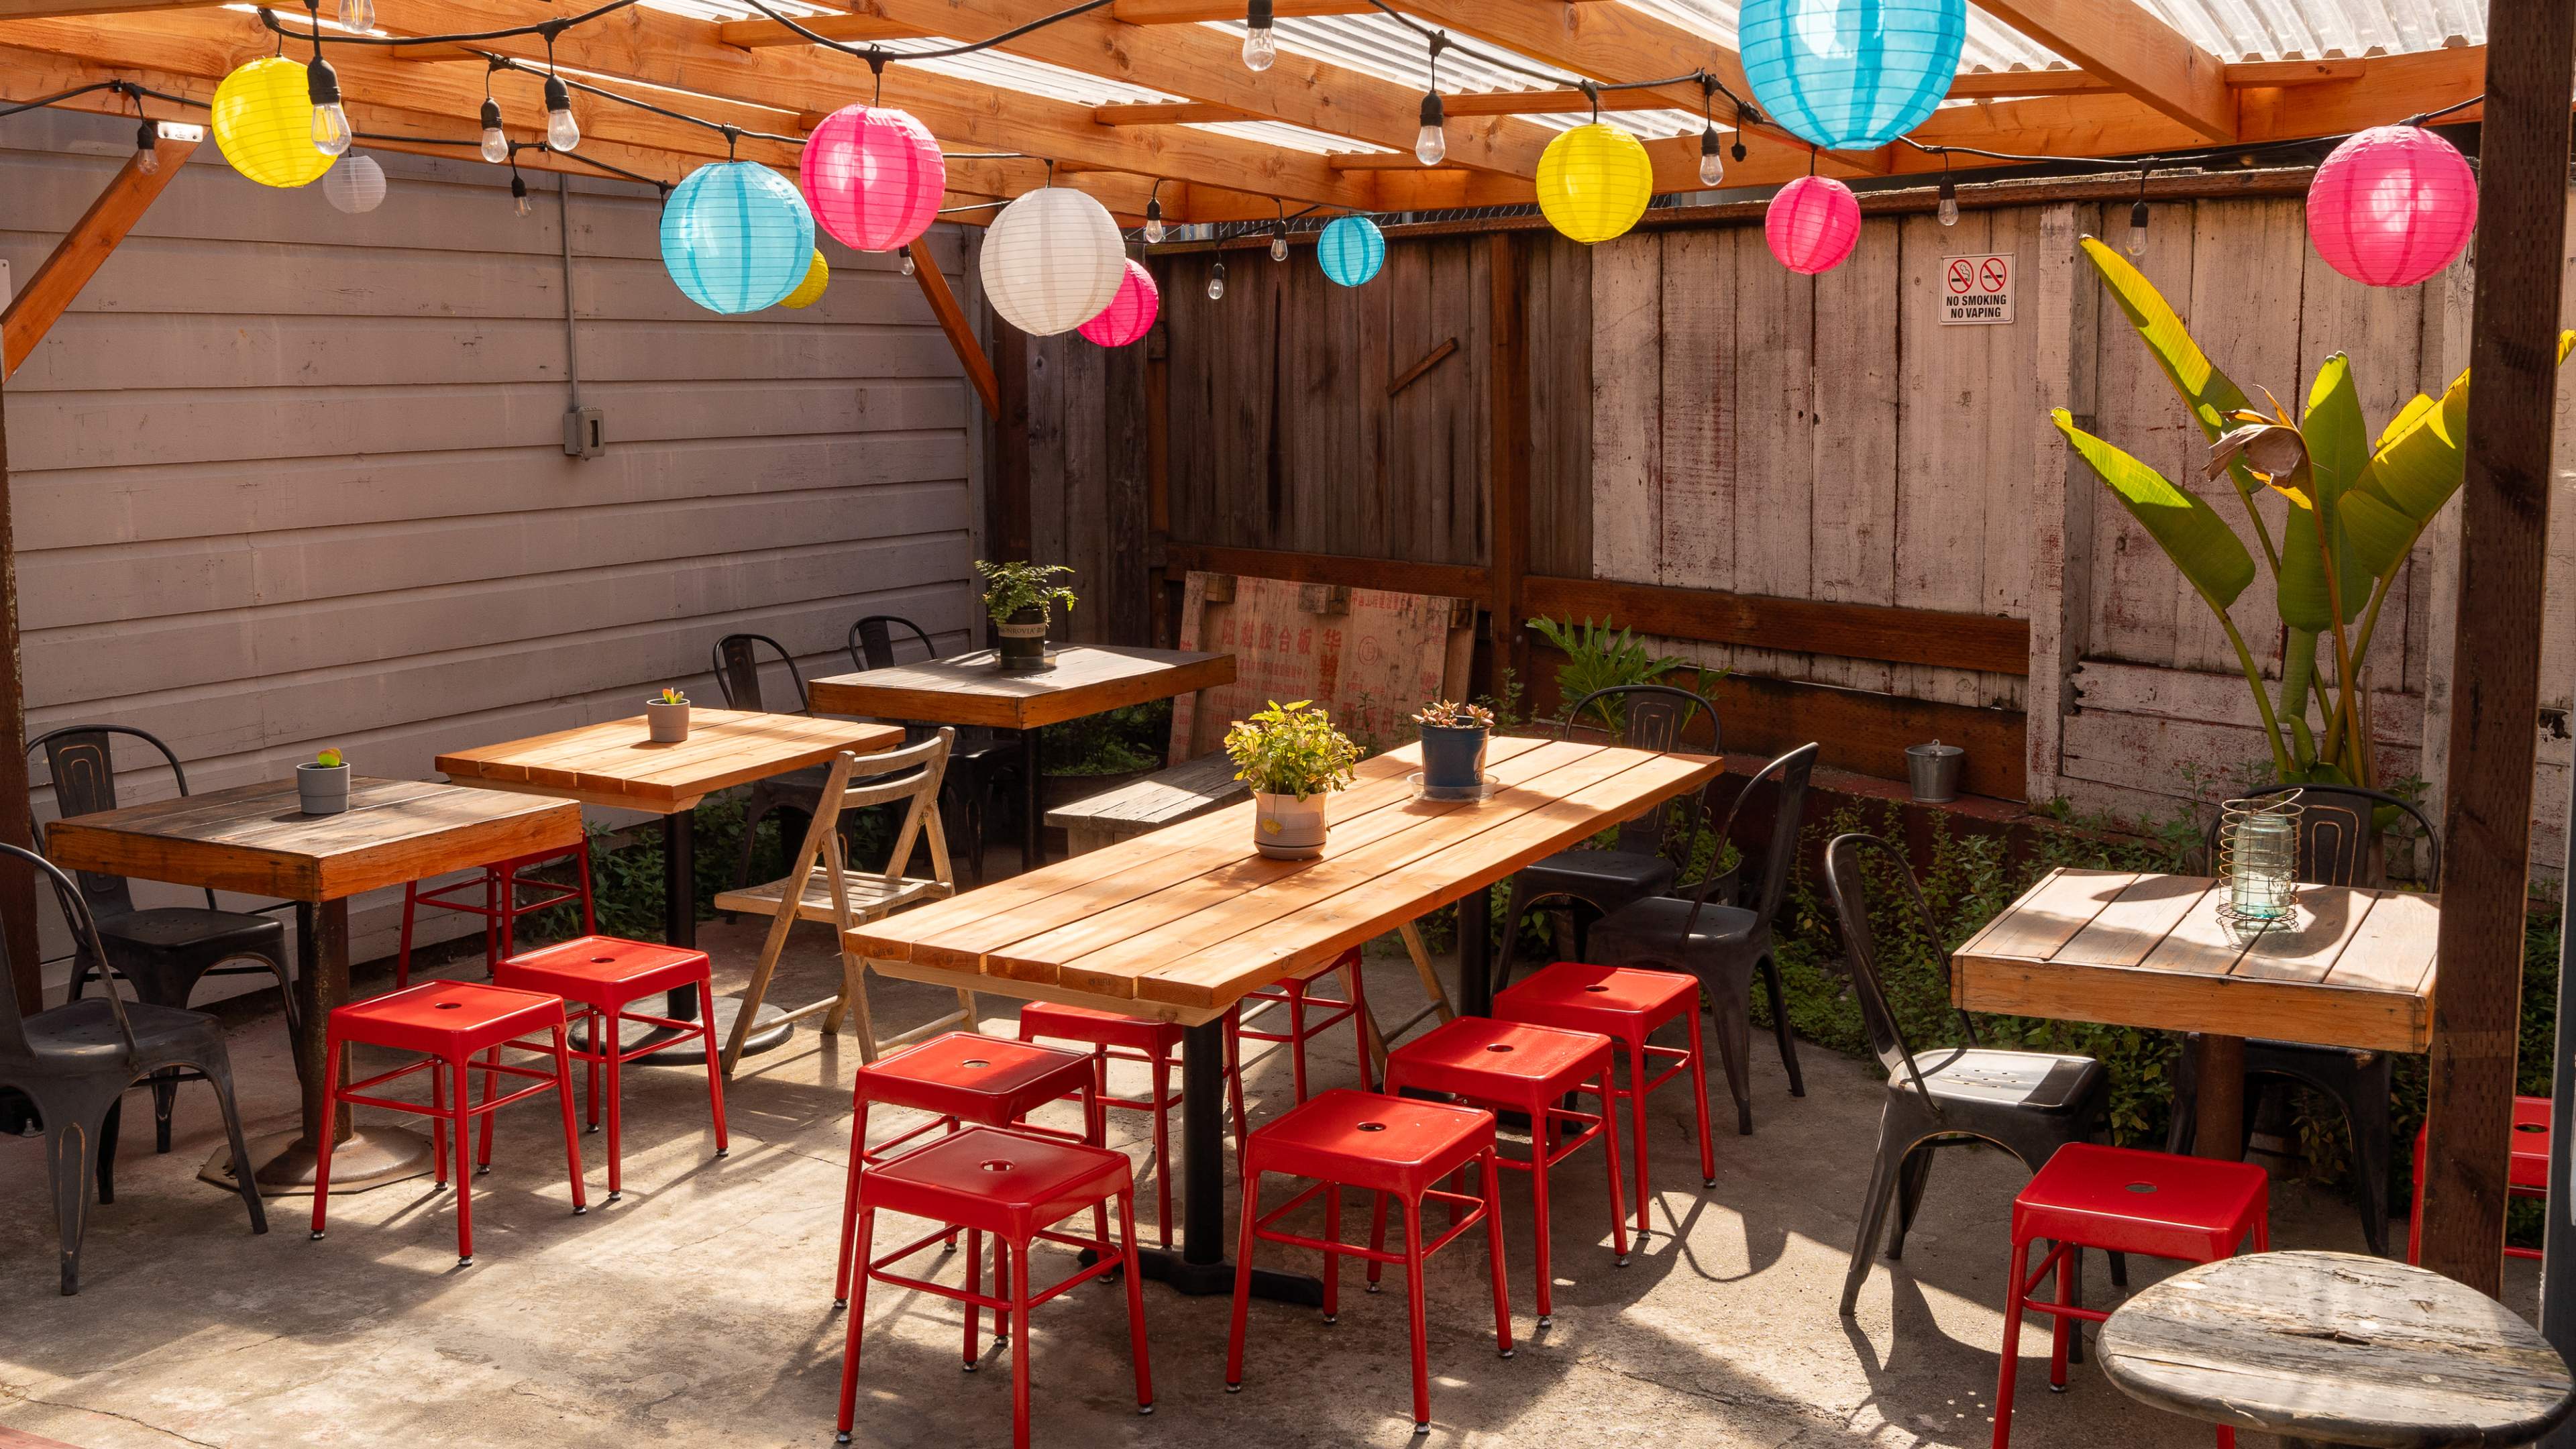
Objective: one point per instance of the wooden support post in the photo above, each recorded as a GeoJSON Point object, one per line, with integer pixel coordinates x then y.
{"type": "Point", "coordinates": [1508, 449]}
{"type": "Point", "coordinates": [76, 258]}
{"type": "Point", "coordinates": [2504, 529]}
{"type": "Point", "coordinates": [17, 825]}
{"type": "Point", "coordinates": [1012, 521]}
{"type": "Point", "coordinates": [952, 321]}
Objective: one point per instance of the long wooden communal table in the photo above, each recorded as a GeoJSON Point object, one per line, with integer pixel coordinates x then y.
{"type": "Point", "coordinates": [1182, 923]}
{"type": "Point", "coordinates": [257, 839]}
{"type": "Point", "coordinates": [971, 689]}
{"type": "Point", "coordinates": [615, 763]}
{"type": "Point", "coordinates": [2130, 949]}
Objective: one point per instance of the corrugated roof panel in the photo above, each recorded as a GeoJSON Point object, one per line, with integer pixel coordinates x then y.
{"type": "Point", "coordinates": [2228, 29]}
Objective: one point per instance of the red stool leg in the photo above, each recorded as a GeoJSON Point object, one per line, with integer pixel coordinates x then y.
{"type": "Point", "coordinates": [1332, 1260]}
{"type": "Point", "coordinates": [2062, 1326]}
{"type": "Point", "coordinates": [1699, 1102]}
{"type": "Point", "coordinates": [491, 932]}
{"type": "Point", "coordinates": [1544, 1143]}
{"type": "Point", "coordinates": [2013, 1290]}
{"type": "Point", "coordinates": [1160, 1062]}
{"type": "Point", "coordinates": [509, 918]}
{"type": "Point", "coordinates": [581, 873]}
{"type": "Point", "coordinates": [438, 1124]}
{"type": "Point", "coordinates": [1413, 1315]}
{"type": "Point", "coordinates": [1135, 1300]}
{"type": "Point", "coordinates": [464, 1144]}
{"type": "Point", "coordinates": [1297, 1037]}
{"type": "Point", "coordinates": [592, 1022]}
{"type": "Point", "coordinates": [1377, 1235]}
{"type": "Point", "coordinates": [563, 1098]}
{"type": "Point", "coordinates": [1637, 1127]}
{"type": "Point", "coordinates": [1359, 1023]}
{"type": "Point", "coordinates": [491, 1093]}
{"type": "Point", "coordinates": [1019, 1253]}
{"type": "Point", "coordinates": [1242, 1280]}
{"type": "Point", "coordinates": [715, 1069]}
{"type": "Point", "coordinates": [613, 1064]}
{"type": "Point", "coordinates": [1234, 1086]}
{"type": "Point", "coordinates": [850, 1196]}
{"type": "Point", "coordinates": [330, 1129]}
{"type": "Point", "coordinates": [1494, 1249]}
{"type": "Point", "coordinates": [1001, 1281]}
{"type": "Point", "coordinates": [402, 951]}
{"type": "Point", "coordinates": [1095, 1132]}
{"type": "Point", "coordinates": [974, 1349]}
{"type": "Point", "coordinates": [1610, 1154]}
{"type": "Point", "coordinates": [858, 1290]}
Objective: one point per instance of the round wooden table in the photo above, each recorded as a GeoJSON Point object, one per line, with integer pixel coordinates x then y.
{"type": "Point", "coordinates": [2336, 1348]}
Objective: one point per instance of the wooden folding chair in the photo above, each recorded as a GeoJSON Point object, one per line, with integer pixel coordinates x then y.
{"type": "Point", "coordinates": [841, 897]}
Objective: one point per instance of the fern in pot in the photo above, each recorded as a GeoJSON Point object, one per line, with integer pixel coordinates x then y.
{"type": "Point", "coordinates": [1293, 759]}
{"type": "Point", "coordinates": [1020, 597]}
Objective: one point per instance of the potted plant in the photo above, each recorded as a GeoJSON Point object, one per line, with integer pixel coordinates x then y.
{"type": "Point", "coordinates": [1601, 656]}
{"type": "Point", "coordinates": [667, 716]}
{"type": "Point", "coordinates": [1453, 748]}
{"type": "Point", "coordinates": [1293, 759]}
{"type": "Point", "coordinates": [323, 784]}
{"type": "Point", "coordinates": [1020, 596]}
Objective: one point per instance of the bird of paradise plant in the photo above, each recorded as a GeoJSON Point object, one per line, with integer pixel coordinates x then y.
{"type": "Point", "coordinates": [2356, 509]}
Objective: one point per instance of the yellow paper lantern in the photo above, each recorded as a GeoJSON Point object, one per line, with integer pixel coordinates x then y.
{"type": "Point", "coordinates": [264, 123]}
{"type": "Point", "coordinates": [1594, 182]}
{"type": "Point", "coordinates": [810, 290]}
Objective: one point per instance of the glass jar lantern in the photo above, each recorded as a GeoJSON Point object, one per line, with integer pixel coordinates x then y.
{"type": "Point", "coordinates": [2258, 859]}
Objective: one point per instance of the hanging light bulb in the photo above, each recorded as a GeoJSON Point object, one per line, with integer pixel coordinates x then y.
{"type": "Point", "coordinates": [907, 264]}
{"type": "Point", "coordinates": [496, 145]}
{"type": "Point", "coordinates": [562, 131]}
{"type": "Point", "coordinates": [330, 122]}
{"type": "Point", "coordinates": [1712, 160]}
{"type": "Point", "coordinates": [1153, 220]}
{"type": "Point", "coordinates": [1279, 243]}
{"type": "Point", "coordinates": [358, 15]}
{"type": "Point", "coordinates": [1949, 210]}
{"type": "Point", "coordinates": [1216, 283]}
{"type": "Point", "coordinates": [147, 154]}
{"type": "Point", "coordinates": [519, 191]}
{"type": "Point", "coordinates": [1431, 144]}
{"type": "Point", "coordinates": [2138, 229]}
{"type": "Point", "coordinates": [1260, 45]}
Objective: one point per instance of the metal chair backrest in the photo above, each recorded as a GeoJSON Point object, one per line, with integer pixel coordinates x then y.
{"type": "Point", "coordinates": [2337, 826]}
{"type": "Point", "coordinates": [81, 762]}
{"type": "Point", "coordinates": [1846, 861]}
{"type": "Point", "coordinates": [872, 640]}
{"type": "Point", "coordinates": [1790, 808]}
{"type": "Point", "coordinates": [738, 672]}
{"type": "Point", "coordinates": [85, 941]}
{"type": "Point", "coordinates": [1651, 717]}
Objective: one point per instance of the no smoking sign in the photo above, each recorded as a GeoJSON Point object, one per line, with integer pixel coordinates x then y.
{"type": "Point", "coordinates": [1977, 291]}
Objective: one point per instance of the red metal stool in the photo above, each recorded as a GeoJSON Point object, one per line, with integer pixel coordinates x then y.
{"type": "Point", "coordinates": [1157, 1044]}
{"type": "Point", "coordinates": [1627, 1005]}
{"type": "Point", "coordinates": [449, 1022]}
{"type": "Point", "coordinates": [962, 1077]}
{"type": "Point", "coordinates": [500, 884]}
{"type": "Point", "coordinates": [1501, 1065]}
{"type": "Point", "coordinates": [603, 975]}
{"type": "Point", "coordinates": [2527, 1172]}
{"type": "Point", "coordinates": [1291, 992]}
{"type": "Point", "coordinates": [1014, 1187]}
{"type": "Point", "coordinates": [2120, 1200]}
{"type": "Point", "coordinates": [1382, 1145]}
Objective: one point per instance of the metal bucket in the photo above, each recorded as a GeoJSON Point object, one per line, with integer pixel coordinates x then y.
{"type": "Point", "coordinates": [1933, 771]}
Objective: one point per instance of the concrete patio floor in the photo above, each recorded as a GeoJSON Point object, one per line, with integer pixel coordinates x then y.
{"type": "Point", "coordinates": [697, 1310]}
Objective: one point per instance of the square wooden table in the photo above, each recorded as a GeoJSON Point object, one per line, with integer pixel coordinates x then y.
{"type": "Point", "coordinates": [257, 839]}
{"type": "Point", "coordinates": [971, 689]}
{"type": "Point", "coordinates": [2354, 969]}
{"type": "Point", "coordinates": [616, 763]}
{"type": "Point", "coordinates": [1181, 923]}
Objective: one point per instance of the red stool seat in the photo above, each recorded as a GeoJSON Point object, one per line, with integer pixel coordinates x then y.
{"type": "Point", "coordinates": [605, 976]}
{"type": "Point", "coordinates": [2120, 1200]}
{"type": "Point", "coordinates": [2526, 1170]}
{"type": "Point", "coordinates": [1016, 1188]}
{"type": "Point", "coordinates": [1387, 1145]}
{"type": "Point", "coordinates": [450, 1023]}
{"type": "Point", "coordinates": [1156, 1045]}
{"type": "Point", "coordinates": [1531, 1070]}
{"type": "Point", "coordinates": [959, 1077]}
{"type": "Point", "coordinates": [1627, 1005]}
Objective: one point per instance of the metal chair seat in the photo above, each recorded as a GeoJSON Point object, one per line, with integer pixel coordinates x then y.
{"type": "Point", "coordinates": [1658, 922]}
{"type": "Point", "coordinates": [79, 1037]}
{"type": "Point", "coordinates": [2026, 1081]}
{"type": "Point", "coordinates": [192, 930]}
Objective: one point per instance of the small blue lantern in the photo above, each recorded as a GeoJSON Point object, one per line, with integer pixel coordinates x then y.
{"type": "Point", "coordinates": [1351, 250]}
{"type": "Point", "coordinates": [736, 236]}
{"type": "Point", "coordinates": [1850, 75]}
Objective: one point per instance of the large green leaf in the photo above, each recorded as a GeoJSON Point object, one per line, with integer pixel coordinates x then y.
{"type": "Point", "coordinates": [2190, 532]}
{"type": "Point", "coordinates": [2206, 390]}
{"type": "Point", "coordinates": [2418, 462]}
{"type": "Point", "coordinates": [2337, 453]}
{"type": "Point", "coordinates": [2338, 444]}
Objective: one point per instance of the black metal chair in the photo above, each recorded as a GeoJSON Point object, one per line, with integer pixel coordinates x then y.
{"type": "Point", "coordinates": [737, 670]}
{"type": "Point", "coordinates": [2337, 840]}
{"type": "Point", "coordinates": [164, 950]}
{"type": "Point", "coordinates": [76, 1061]}
{"type": "Point", "coordinates": [982, 755]}
{"type": "Point", "coordinates": [1647, 717]}
{"type": "Point", "coordinates": [1721, 943]}
{"type": "Point", "coordinates": [2028, 1103]}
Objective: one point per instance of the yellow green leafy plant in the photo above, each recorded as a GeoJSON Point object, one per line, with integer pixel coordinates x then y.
{"type": "Point", "coordinates": [2355, 511]}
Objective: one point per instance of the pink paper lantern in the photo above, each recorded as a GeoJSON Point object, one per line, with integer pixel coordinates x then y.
{"type": "Point", "coordinates": [1128, 314]}
{"type": "Point", "coordinates": [2392, 206]}
{"type": "Point", "coordinates": [874, 177]}
{"type": "Point", "coordinates": [1812, 224]}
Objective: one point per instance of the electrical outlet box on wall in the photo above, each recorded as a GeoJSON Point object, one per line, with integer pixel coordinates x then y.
{"type": "Point", "coordinates": [585, 433]}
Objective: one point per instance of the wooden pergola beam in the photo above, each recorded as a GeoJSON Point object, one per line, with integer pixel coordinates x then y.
{"type": "Point", "coordinates": [83, 249]}
{"type": "Point", "coordinates": [39, 9]}
{"type": "Point", "coordinates": [2124, 43]}
{"type": "Point", "coordinates": [857, 29]}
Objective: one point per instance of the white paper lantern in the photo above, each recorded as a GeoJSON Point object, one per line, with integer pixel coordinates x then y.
{"type": "Point", "coordinates": [355, 185]}
{"type": "Point", "coordinates": [1052, 261]}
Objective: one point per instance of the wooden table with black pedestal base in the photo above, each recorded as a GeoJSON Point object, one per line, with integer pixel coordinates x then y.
{"type": "Point", "coordinates": [971, 689]}
{"type": "Point", "coordinates": [617, 764]}
{"type": "Point", "coordinates": [1180, 924]}
{"type": "Point", "coordinates": [2353, 969]}
{"type": "Point", "coordinates": [2332, 1349]}
{"type": "Point", "coordinates": [256, 839]}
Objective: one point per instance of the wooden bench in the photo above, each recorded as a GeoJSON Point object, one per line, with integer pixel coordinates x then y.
{"type": "Point", "coordinates": [1166, 797]}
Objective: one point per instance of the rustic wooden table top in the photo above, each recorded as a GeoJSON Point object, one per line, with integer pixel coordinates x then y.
{"type": "Point", "coordinates": [616, 763]}
{"type": "Point", "coordinates": [2337, 1348]}
{"type": "Point", "coordinates": [257, 839]}
{"type": "Point", "coordinates": [1181, 922]}
{"type": "Point", "coordinates": [2130, 949]}
{"type": "Point", "coordinates": [969, 690]}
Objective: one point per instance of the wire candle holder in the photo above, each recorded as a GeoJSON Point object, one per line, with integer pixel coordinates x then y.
{"type": "Point", "coordinates": [2258, 860]}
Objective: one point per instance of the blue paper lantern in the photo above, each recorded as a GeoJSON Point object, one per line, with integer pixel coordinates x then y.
{"type": "Point", "coordinates": [1351, 250]}
{"type": "Point", "coordinates": [736, 236]}
{"type": "Point", "coordinates": [1849, 75]}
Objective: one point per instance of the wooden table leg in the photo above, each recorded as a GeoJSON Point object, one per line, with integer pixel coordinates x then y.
{"type": "Point", "coordinates": [1033, 830]}
{"type": "Point", "coordinates": [2219, 1100]}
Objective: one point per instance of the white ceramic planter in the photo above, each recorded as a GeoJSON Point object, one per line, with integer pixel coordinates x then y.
{"type": "Point", "coordinates": [322, 789]}
{"type": "Point", "coordinates": [669, 723]}
{"type": "Point", "coordinates": [1287, 828]}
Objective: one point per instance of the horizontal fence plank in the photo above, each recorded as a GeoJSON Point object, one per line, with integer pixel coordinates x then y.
{"type": "Point", "coordinates": [1850, 631]}
{"type": "Point", "coordinates": [1450, 580]}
